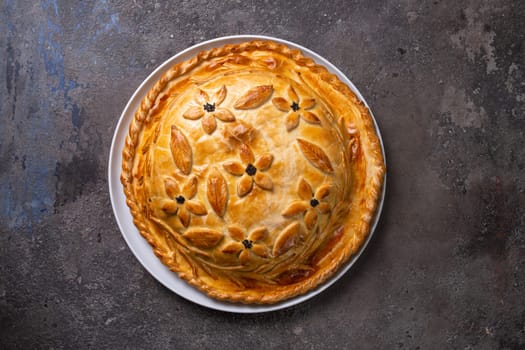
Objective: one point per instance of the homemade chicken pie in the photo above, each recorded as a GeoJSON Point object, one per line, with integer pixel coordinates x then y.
{"type": "Point", "coordinates": [253, 172]}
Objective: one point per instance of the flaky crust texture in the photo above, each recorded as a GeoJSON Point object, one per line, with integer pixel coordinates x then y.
{"type": "Point", "coordinates": [253, 172]}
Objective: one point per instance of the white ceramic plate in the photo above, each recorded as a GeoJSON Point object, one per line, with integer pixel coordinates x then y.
{"type": "Point", "coordinates": [141, 247]}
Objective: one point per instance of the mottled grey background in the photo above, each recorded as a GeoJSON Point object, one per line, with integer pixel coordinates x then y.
{"type": "Point", "coordinates": [446, 268]}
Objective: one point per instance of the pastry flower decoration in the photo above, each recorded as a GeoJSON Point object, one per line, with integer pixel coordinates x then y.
{"type": "Point", "coordinates": [251, 170]}
{"type": "Point", "coordinates": [180, 202]}
{"type": "Point", "coordinates": [208, 109]}
{"type": "Point", "coordinates": [311, 204]}
{"type": "Point", "coordinates": [297, 108]}
{"type": "Point", "coordinates": [246, 244]}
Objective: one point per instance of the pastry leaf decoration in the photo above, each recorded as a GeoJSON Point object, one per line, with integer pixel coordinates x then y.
{"type": "Point", "coordinates": [246, 244]}
{"type": "Point", "coordinates": [182, 203]}
{"type": "Point", "coordinates": [352, 136]}
{"type": "Point", "coordinates": [203, 237]}
{"type": "Point", "coordinates": [311, 204]}
{"type": "Point", "coordinates": [297, 108]}
{"type": "Point", "coordinates": [253, 170]}
{"type": "Point", "coordinates": [316, 156]}
{"type": "Point", "coordinates": [217, 192]}
{"type": "Point", "coordinates": [208, 109]}
{"type": "Point", "coordinates": [181, 150]}
{"type": "Point", "coordinates": [295, 208]}
{"type": "Point", "coordinates": [254, 97]}
{"type": "Point", "coordinates": [286, 239]}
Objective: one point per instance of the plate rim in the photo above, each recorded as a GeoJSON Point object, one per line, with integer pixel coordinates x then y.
{"type": "Point", "coordinates": [117, 194]}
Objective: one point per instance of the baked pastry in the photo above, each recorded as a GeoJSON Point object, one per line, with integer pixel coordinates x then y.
{"type": "Point", "coordinates": [252, 171]}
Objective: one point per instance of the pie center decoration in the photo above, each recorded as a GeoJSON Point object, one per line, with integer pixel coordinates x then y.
{"type": "Point", "coordinates": [253, 172]}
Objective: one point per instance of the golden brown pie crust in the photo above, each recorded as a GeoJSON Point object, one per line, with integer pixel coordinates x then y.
{"type": "Point", "coordinates": [252, 171]}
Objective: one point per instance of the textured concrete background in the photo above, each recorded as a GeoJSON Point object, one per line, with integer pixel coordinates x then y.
{"type": "Point", "coordinates": [446, 268]}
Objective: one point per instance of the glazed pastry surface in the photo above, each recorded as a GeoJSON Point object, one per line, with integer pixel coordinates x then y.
{"type": "Point", "coordinates": [253, 172]}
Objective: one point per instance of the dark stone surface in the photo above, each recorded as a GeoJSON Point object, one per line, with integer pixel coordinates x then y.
{"type": "Point", "coordinates": [446, 268]}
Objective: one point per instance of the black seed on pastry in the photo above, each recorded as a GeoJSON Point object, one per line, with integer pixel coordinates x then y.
{"type": "Point", "coordinates": [247, 243]}
{"type": "Point", "coordinates": [209, 107]}
{"type": "Point", "coordinates": [251, 170]}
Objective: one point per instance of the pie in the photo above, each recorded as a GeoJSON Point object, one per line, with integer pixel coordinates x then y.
{"type": "Point", "coordinates": [253, 172]}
